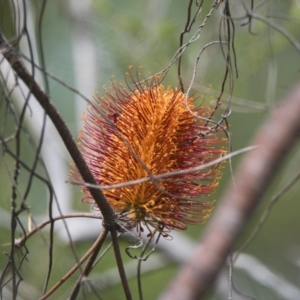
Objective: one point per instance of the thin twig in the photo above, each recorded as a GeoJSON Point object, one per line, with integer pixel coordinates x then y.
{"type": "Point", "coordinates": [19, 242]}
{"type": "Point", "coordinates": [97, 247]}
{"type": "Point", "coordinates": [11, 56]}
{"type": "Point", "coordinates": [167, 174]}
{"type": "Point", "coordinates": [290, 39]}
{"type": "Point", "coordinates": [99, 240]}
{"type": "Point", "coordinates": [120, 264]}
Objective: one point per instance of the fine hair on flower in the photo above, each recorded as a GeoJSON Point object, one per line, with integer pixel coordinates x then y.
{"type": "Point", "coordinates": [132, 133]}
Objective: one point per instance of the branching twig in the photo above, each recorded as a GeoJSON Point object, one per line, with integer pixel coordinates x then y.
{"type": "Point", "coordinates": [109, 219]}
{"type": "Point", "coordinates": [94, 249]}
{"type": "Point", "coordinates": [12, 57]}
{"type": "Point", "coordinates": [165, 176]}
{"type": "Point", "coordinates": [120, 265]}
{"type": "Point", "coordinates": [19, 242]}
{"type": "Point", "coordinates": [89, 265]}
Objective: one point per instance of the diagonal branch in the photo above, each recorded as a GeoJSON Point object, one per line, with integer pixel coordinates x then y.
{"type": "Point", "coordinates": [109, 219]}
{"type": "Point", "coordinates": [275, 138]}
{"type": "Point", "coordinates": [97, 247]}
{"type": "Point", "coordinates": [12, 57]}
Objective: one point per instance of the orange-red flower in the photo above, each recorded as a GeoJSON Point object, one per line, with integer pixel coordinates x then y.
{"type": "Point", "coordinates": [129, 133]}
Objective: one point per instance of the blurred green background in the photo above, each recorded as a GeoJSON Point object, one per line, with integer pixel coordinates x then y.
{"type": "Point", "coordinates": [146, 33]}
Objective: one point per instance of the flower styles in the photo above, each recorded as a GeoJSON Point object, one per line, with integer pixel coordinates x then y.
{"type": "Point", "coordinates": [133, 134]}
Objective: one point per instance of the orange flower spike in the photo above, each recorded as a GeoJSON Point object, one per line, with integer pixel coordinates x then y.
{"type": "Point", "coordinates": [152, 125]}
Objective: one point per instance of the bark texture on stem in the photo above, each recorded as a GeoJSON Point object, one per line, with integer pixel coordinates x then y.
{"type": "Point", "coordinates": [274, 139]}
{"type": "Point", "coordinates": [12, 57]}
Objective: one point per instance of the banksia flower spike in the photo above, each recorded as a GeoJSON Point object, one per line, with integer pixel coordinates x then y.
{"type": "Point", "coordinates": [131, 132]}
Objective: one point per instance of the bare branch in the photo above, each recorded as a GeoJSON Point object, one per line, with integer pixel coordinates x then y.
{"type": "Point", "coordinates": [12, 57]}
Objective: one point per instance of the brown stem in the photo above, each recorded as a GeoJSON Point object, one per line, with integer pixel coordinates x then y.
{"type": "Point", "coordinates": [92, 250]}
{"type": "Point", "coordinates": [120, 264]}
{"type": "Point", "coordinates": [97, 246]}
{"type": "Point", "coordinates": [274, 139]}
{"type": "Point", "coordinates": [12, 57]}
